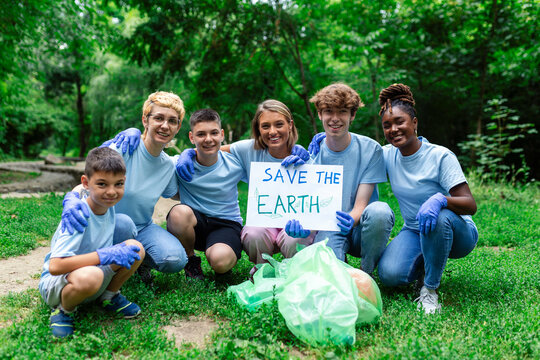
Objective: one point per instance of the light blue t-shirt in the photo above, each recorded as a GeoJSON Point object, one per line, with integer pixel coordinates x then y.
{"type": "Point", "coordinates": [246, 153]}
{"type": "Point", "coordinates": [415, 178]}
{"type": "Point", "coordinates": [147, 178]}
{"type": "Point", "coordinates": [97, 235]}
{"type": "Point", "coordinates": [213, 190]}
{"type": "Point", "coordinates": [363, 163]}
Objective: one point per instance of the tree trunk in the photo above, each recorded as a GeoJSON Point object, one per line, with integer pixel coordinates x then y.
{"type": "Point", "coordinates": [83, 138]}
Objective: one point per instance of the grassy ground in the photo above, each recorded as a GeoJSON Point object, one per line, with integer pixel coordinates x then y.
{"type": "Point", "coordinates": [491, 307]}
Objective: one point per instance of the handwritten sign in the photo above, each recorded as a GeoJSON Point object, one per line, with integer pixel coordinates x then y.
{"type": "Point", "coordinates": [308, 193]}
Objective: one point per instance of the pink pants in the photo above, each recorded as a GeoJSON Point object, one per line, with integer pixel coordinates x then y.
{"type": "Point", "coordinates": [257, 241]}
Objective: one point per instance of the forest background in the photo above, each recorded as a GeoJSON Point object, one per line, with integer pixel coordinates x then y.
{"type": "Point", "coordinates": [75, 72]}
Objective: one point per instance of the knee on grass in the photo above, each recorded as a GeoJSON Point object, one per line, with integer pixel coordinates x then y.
{"type": "Point", "coordinates": [221, 258]}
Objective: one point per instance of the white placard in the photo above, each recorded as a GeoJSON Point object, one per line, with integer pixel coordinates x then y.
{"type": "Point", "coordinates": [308, 193]}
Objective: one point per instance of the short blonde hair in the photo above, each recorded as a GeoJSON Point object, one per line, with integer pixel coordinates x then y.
{"type": "Point", "coordinates": [337, 95]}
{"type": "Point", "coordinates": [164, 99]}
{"type": "Point", "coordinates": [280, 108]}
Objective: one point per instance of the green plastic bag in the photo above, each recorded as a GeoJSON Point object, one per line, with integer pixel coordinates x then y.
{"type": "Point", "coordinates": [267, 284]}
{"type": "Point", "coordinates": [316, 295]}
{"type": "Point", "coordinates": [320, 301]}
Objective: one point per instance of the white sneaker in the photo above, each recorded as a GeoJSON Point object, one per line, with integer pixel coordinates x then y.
{"type": "Point", "coordinates": [428, 300]}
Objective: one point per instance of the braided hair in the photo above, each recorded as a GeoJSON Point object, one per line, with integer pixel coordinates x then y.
{"type": "Point", "coordinates": [397, 95]}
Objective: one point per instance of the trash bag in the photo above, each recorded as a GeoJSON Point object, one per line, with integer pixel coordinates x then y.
{"type": "Point", "coordinates": [320, 300]}
{"type": "Point", "coordinates": [320, 297]}
{"type": "Point", "coordinates": [368, 291]}
{"type": "Point", "coordinates": [267, 284]}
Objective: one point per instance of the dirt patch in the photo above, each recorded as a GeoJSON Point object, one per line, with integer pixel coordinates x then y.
{"type": "Point", "coordinates": [191, 331]}
{"type": "Point", "coordinates": [500, 248]}
{"type": "Point", "coordinates": [162, 209]}
{"type": "Point", "coordinates": [22, 272]}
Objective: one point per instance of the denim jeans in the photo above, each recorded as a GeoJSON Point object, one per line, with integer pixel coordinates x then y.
{"type": "Point", "coordinates": [367, 240]}
{"type": "Point", "coordinates": [403, 259]}
{"type": "Point", "coordinates": [164, 252]}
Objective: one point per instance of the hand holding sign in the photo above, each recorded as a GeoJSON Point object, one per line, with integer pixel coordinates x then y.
{"type": "Point", "coordinates": [310, 194]}
{"type": "Point", "coordinates": [345, 222]}
{"type": "Point", "coordinates": [294, 229]}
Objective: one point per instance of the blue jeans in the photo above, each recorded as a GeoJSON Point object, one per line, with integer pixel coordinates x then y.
{"type": "Point", "coordinates": [410, 251]}
{"type": "Point", "coordinates": [367, 240]}
{"type": "Point", "coordinates": [164, 252]}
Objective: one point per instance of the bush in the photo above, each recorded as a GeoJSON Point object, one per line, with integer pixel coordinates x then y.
{"type": "Point", "coordinates": [491, 154]}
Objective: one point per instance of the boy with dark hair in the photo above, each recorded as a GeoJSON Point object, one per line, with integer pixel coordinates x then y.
{"type": "Point", "coordinates": [85, 267]}
{"type": "Point", "coordinates": [364, 221]}
{"type": "Point", "coordinates": [208, 219]}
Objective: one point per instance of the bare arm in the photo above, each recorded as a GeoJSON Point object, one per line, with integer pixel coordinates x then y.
{"type": "Point", "coordinates": [363, 194]}
{"type": "Point", "coordinates": [461, 202]}
{"type": "Point", "coordinates": [59, 266]}
{"type": "Point", "coordinates": [226, 148]}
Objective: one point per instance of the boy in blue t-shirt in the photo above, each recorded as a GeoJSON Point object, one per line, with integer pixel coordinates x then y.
{"type": "Point", "coordinates": [208, 218]}
{"type": "Point", "coordinates": [85, 267]}
{"type": "Point", "coordinates": [365, 223]}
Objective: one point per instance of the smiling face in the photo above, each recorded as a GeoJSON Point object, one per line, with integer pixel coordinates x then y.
{"type": "Point", "coordinates": [207, 137]}
{"type": "Point", "coordinates": [161, 125]}
{"type": "Point", "coordinates": [400, 130]}
{"type": "Point", "coordinates": [336, 121]}
{"type": "Point", "coordinates": [275, 131]}
{"type": "Point", "coordinates": [106, 189]}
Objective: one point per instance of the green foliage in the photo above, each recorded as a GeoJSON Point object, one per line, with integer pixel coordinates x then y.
{"type": "Point", "coordinates": [75, 73]}
{"type": "Point", "coordinates": [491, 154]}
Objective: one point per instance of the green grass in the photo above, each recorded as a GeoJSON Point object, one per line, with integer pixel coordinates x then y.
{"type": "Point", "coordinates": [27, 223]}
{"type": "Point", "coordinates": [490, 298]}
{"type": "Point", "coordinates": [7, 177]}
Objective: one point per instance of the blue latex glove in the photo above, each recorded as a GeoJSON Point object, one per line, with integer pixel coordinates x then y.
{"type": "Point", "coordinates": [71, 215]}
{"type": "Point", "coordinates": [295, 160]}
{"type": "Point", "coordinates": [429, 213]}
{"type": "Point", "coordinates": [128, 138]}
{"type": "Point", "coordinates": [295, 230]}
{"type": "Point", "coordinates": [184, 164]}
{"type": "Point", "coordinates": [315, 144]}
{"type": "Point", "coordinates": [345, 222]}
{"type": "Point", "coordinates": [119, 254]}
{"type": "Point", "coordinates": [299, 151]}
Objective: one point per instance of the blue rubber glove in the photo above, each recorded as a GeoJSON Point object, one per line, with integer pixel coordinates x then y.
{"type": "Point", "coordinates": [128, 138]}
{"type": "Point", "coordinates": [184, 164]}
{"type": "Point", "coordinates": [429, 213]}
{"type": "Point", "coordinates": [295, 230]}
{"type": "Point", "coordinates": [299, 151]}
{"type": "Point", "coordinates": [315, 144]}
{"type": "Point", "coordinates": [71, 215]}
{"type": "Point", "coordinates": [119, 254]}
{"type": "Point", "coordinates": [295, 160]}
{"type": "Point", "coordinates": [345, 222]}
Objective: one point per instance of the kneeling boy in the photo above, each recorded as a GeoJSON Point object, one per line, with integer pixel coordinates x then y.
{"type": "Point", "coordinates": [85, 267]}
{"type": "Point", "coordinates": [208, 219]}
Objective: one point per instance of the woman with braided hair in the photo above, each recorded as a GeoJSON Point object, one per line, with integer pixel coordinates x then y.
{"type": "Point", "coordinates": [434, 199]}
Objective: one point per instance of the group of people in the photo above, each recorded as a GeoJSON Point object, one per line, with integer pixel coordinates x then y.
{"type": "Point", "coordinates": [107, 233]}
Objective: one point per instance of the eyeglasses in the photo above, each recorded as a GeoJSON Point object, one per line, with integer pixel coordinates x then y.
{"type": "Point", "coordinates": [172, 121]}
